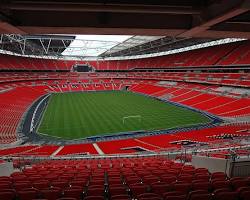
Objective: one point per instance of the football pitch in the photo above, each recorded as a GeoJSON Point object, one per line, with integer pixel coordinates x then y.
{"type": "Point", "coordinates": [81, 115]}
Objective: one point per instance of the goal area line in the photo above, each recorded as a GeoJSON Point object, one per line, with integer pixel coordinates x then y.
{"type": "Point", "coordinates": [131, 117]}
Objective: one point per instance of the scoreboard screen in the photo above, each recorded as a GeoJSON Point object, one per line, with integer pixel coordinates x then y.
{"type": "Point", "coordinates": [82, 68]}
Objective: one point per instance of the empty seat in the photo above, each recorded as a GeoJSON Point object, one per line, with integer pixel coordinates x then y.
{"type": "Point", "coordinates": [41, 185]}
{"type": "Point", "coordinates": [173, 193]}
{"type": "Point", "coordinates": [245, 195]}
{"type": "Point", "coordinates": [51, 194]}
{"type": "Point", "coordinates": [160, 188]}
{"type": "Point", "coordinates": [182, 187]}
{"type": "Point", "coordinates": [95, 191]}
{"type": "Point", "coordinates": [218, 175]}
{"type": "Point", "coordinates": [147, 196]}
{"type": "Point", "coordinates": [201, 186]}
{"type": "Point", "coordinates": [60, 184]}
{"type": "Point", "coordinates": [27, 195]}
{"type": "Point", "coordinates": [73, 193]}
{"type": "Point", "coordinates": [201, 197]}
{"type": "Point", "coordinates": [196, 192]}
{"type": "Point", "coordinates": [226, 196]}
{"type": "Point", "coordinates": [220, 184]}
{"type": "Point", "coordinates": [239, 183]}
{"type": "Point", "coordinates": [7, 195]}
{"type": "Point", "coordinates": [138, 189]}
{"type": "Point", "coordinates": [78, 183]}
{"type": "Point", "coordinates": [117, 190]}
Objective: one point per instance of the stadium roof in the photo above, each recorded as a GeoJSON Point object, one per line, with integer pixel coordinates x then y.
{"type": "Point", "coordinates": [71, 45]}
{"type": "Point", "coordinates": [121, 28]}
{"type": "Point", "coordinates": [94, 47]}
{"type": "Point", "coordinates": [173, 18]}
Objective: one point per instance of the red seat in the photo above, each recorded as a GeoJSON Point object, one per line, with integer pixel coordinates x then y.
{"type": "Point", "coordinates": [220, 184]}
{"type": "Point", "coordinates": [196, 192]}
{"type": "Point", "coordinates": [117, 190]}
{"type": "Point", "coordinates": [95, 191]}
{"type": "Point", "coordinates": [78, 183]}
{"type": "Point", "coordinates": [51, 194]}
{"type": "Point", "coordinates": [201, 170]}
{"type": "Point", "coordinates": [173, 193]}
{"type": "Point", "coordinates": [183, 187]}
{"type": "Point", "coordinates": [201, 197]}
{"type": "Point", "coordinates": [5, 182]}
{"type": "Point", "coordinates": [150, 179]}
{"type": "Point", "coordinates": [60, 184]}
{"type": "Point", "coordinates": [22, 185]}
{"type": "Point", "coordinates": [168, 179]}
{"type": "Point", "coordinates": [73, 193]}
{"type": "Point", "coordinates": [226, 196]}
{"type": "Point", "coordinates": [7, 195]}
{"type": "Point", "coordinates": [218, 175]}
{"type": "Point", "coordinates": [41, 185]}
{"type": "Point", "coordinates": [160, 188]}
{"type": "Point", "coordinates": [221, 190]}
{"type": "Point", "coordinates": [138, 189]}
{"type": "Point", "coordinates": [245, 195]}
{"type": "Point", "coordinates": [148, 196]}
{"type": "Point", "coordinates": [202, 177]}
{"type": "Point", "coordinates": [27, 195]}
{"type": "Point", "coordinates": [239, 183]}
{"type": "Point", "coordinates": [201, 186]}
{"type": "Point", "coordinates": [5, 186]}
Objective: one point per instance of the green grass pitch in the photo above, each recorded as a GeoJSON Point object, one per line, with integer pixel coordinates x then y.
{"type": "Point", "coordinates": [80, 115]}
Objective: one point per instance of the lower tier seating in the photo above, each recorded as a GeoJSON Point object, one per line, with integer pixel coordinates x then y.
{"type": "Point", "coordinates": [213, 102]}
{"type": "Point", "coordinates": [156, 143]}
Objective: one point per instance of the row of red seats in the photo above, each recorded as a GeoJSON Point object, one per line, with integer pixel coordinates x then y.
{"type": "Point", "coordinates": [127, 146]}
{"type": "Point", "coordinates": [120, 179]}
{"type": "Point", "coordinates": [231, 79]}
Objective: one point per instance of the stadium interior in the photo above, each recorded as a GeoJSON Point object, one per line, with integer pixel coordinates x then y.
{"type": "Point", "coordinates": [125, 100]}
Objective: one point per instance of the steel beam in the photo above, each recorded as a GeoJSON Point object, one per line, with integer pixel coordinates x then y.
{"type": "Point", "coordinates": [216, 14]}
{"type": "Point", "coordinates": [99, 7]}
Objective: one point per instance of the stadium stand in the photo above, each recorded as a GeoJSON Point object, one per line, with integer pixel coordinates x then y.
{"type": "Point", "coordinates": [189, 57]}
{"type": "Point", "coordinates": [213, 103]}
{"type": "Point", "coordinates": [155, 143]}
{"type": "Point", "coordinates": [223, 55]}
{"type": "Point", "coordinates": [120, 178]}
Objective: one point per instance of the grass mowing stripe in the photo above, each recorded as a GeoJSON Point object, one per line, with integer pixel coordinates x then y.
{"type": "Point", "coordinates": [79, 115]}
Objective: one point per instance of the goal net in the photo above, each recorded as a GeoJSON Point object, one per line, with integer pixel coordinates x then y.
{"type": "Point", "coordinates": [137, 117]}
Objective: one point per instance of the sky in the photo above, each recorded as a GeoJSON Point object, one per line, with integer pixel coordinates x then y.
{"type": "Point", "coordinates": [93, 45]}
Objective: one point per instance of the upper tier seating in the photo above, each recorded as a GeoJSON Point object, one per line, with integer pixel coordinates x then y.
{"type": "Point", "coordinates": [227, 54]}
{"type": "Point", "coordinates": [228, 79]}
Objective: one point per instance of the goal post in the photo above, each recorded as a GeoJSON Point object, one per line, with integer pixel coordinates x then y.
{"type": "Point", "coordinates": [131, 117]}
